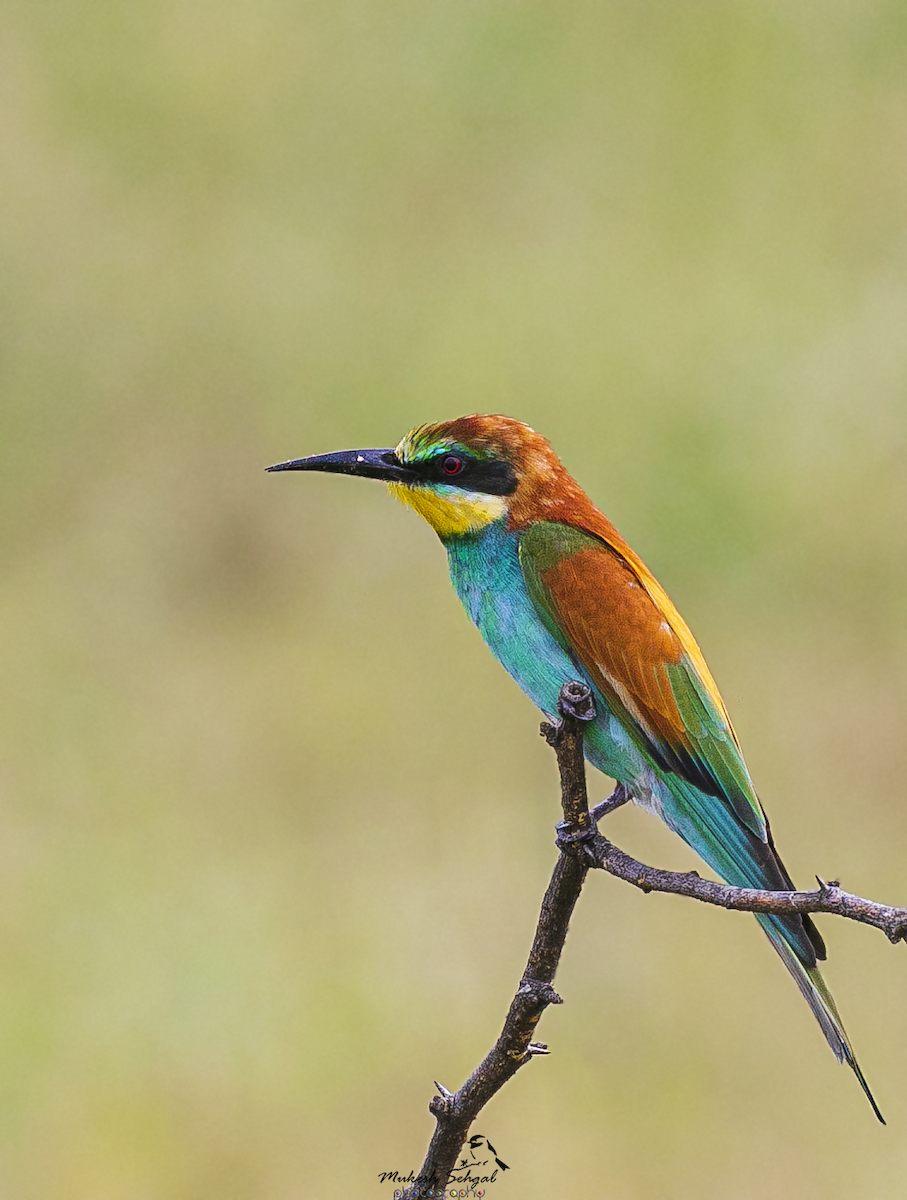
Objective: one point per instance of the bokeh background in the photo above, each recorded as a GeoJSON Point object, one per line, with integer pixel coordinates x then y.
{"type": "Point", "coordinates": [273, 824]}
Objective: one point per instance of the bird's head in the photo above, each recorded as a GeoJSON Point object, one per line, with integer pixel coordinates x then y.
{"type": "Point", "coordinates": [461, 475]}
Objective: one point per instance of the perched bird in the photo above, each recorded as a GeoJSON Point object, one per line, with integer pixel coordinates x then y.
{"type": "Point", "coordinates": [558, 595]}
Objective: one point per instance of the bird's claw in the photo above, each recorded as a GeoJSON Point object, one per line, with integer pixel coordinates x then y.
{"type": "Point", "coordinates": [572, 840]}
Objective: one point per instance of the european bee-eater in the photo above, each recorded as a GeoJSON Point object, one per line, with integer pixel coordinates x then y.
{"type": "Point", "coordinates": [558, 595]}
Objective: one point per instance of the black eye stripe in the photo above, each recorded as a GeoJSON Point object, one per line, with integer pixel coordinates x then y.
{"type": "Point", "coordinates": [494, 477]}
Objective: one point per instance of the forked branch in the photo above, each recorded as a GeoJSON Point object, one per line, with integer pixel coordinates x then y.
{"type": "Point", "coordinates": [583, 848]}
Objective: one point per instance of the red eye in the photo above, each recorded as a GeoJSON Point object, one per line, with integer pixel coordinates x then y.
{"type": "Point", "coordinates": [452, 465]}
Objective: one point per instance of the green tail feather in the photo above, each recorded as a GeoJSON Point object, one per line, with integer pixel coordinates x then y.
{"type": "Point", "coordinates": [818, 997]}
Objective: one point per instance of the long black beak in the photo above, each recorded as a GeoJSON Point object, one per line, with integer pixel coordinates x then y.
{"type": "Point", "coordinates": [372, 464]}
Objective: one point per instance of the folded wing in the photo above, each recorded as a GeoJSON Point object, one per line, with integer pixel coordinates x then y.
{"type": "Point", "coordinates": [596, 602]}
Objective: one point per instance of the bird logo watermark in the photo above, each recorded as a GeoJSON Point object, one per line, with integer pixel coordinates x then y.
{"type": "Point", "coordinates": [477, 1168]}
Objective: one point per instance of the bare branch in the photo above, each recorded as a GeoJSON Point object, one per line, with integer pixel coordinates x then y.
{"type": "Point", "coordinates": [829, 898]}
{"type": "Point", "coordinates": [583, 848]}
{"type": "Point", "coordinates": [514, 1048]}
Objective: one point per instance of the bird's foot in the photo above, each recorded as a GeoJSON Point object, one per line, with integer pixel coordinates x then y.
{"type": "Point", "coordinates": [571, 839]}
{"type": "Point", "coordinates": [618, 798]}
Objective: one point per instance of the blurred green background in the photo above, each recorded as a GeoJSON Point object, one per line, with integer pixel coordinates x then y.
{"type": "Point", "coordinates": [274, 825]}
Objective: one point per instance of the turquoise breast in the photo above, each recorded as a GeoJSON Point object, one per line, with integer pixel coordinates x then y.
{"type": "Point", "coordinates": [486, 573]}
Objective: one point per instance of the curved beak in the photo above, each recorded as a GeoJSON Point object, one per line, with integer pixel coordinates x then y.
{"type": "Point", "coordinates": [371, 464]}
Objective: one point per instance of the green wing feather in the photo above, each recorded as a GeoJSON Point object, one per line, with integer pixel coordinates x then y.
{"type": "Point", "coordinates": [602, 605]}
{"type": "Point", "coordinates": [597, 605]}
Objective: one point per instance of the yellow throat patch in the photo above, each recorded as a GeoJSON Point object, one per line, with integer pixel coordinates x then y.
{"type": "Point", "coordinates": [452, 512]}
